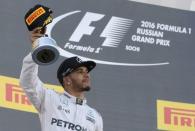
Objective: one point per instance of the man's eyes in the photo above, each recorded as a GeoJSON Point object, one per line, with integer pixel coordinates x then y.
{"type": "Point", "coordinates": [81, 71]}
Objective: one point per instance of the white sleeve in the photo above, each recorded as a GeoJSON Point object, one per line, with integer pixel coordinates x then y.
{"type": "Point", "coordinates": [31, 83]}
{"type": "Point", "coordinates": [100, 123]}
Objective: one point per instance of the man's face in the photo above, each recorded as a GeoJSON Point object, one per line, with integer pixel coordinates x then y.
{"type": "Point", "coordinates": [80, 79]}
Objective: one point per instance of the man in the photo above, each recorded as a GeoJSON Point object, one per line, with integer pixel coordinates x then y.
{"type": "Point", "coordinates": [66, 111]}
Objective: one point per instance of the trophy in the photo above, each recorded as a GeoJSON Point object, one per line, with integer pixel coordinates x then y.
{"type": "Point", "coordinates": [44, 49]}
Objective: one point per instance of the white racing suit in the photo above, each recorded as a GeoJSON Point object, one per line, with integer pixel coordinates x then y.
{"type": "Point", "coordinates": [57, 111]}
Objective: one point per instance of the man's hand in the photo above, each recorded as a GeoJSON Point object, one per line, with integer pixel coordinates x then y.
{"type": "Point", "coordinates": [36, 33]}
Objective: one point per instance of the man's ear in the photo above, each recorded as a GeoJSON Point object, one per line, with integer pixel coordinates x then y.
{"type": "Point", "coordinates": [67, 80]}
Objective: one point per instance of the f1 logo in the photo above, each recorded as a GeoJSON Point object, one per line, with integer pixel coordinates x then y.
{"type": "Point", "coordinates": [84, 27]}
{"type": "Point", "coordinates": [113, 33]}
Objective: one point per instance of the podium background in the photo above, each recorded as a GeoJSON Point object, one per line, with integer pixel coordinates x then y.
{"type": "Point", "coordinates": [126, 96]}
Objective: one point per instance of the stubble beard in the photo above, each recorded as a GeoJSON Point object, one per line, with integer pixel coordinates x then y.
{"type": "Point", "coordinates": [87, 88]}
{"type": "Point", "coordinates": [82, 88]}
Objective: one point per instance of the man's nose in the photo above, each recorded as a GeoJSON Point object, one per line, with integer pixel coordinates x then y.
{"type": "Point", "coordinates": [86, 74]}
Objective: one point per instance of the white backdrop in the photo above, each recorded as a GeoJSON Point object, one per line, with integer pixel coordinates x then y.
{"type": "Point", "coordinates": [179, 4]}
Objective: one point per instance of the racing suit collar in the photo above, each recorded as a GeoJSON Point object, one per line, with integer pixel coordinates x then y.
{"type": "Point", "coordinates": [74, 99]}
